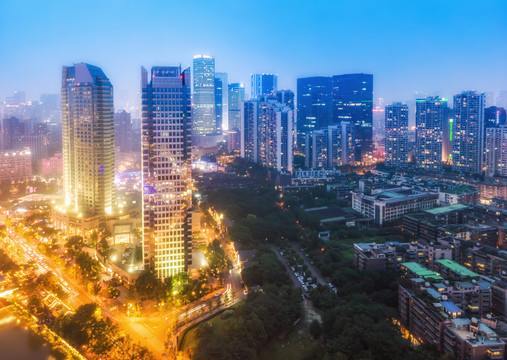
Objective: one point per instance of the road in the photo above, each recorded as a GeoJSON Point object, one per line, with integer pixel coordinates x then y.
{"type": "Point", "coordinates": [315, 272]}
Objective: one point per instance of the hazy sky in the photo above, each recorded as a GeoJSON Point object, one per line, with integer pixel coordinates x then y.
{"type": "Point", "coordinates": [437, 47]}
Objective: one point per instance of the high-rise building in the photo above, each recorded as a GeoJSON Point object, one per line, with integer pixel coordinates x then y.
{"type": "Point", "coordinates": [314, 106]}
{"type": "Point", "coordinates": [88, 139]}
{"type": "Point", "coordinates": [15, 165]}
{"type": "Point", "coordinates": [332, 146]}
{"type": "Point", "coordinates": [221, 101]}
{"type": "Point", "coordinates": [267, 135]}
{"type": "Point", "coordinates": [38, 145]}
{"type": "Point", "coordinates": [12, 129]}
{"type": "Point", "coordinates": [431, 113]}
{"type": "Point", "coordinates": [263, 84]}
{"type": "Point", "coordinates": [396, 135]}
{"type": "Point", "coordinates": [495, 151]}
{"type": "Point", "coordinates": [203, 110]}
{"type": "Point", "coordinates": [447, 133]}
{"type": "Point", "coordinates": [166, 151]}
{"type": "Point", "coordinates": [468, 127]}
{"type": "Point", "coordinates": [236, 100]}
{"type": "Point", "coordinates": [494, 116]}
{"type": "Point", "coordinates": [353, 102]}
{"type": "Point", "coordinates": [123, 131]}
{"type": "Point", "coordinates": [285, 97]}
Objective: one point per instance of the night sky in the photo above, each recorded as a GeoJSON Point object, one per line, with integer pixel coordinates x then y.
{"type": "Point", "coordinates": [432, 47]}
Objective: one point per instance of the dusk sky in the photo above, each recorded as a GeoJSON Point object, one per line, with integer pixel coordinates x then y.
{"type": "Point", "coordinates": [434, 47]}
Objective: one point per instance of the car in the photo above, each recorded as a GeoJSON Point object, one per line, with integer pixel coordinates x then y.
{"type": "Point", "coordinates": [245, 292]}
{"type": "Point", "coordinates": [218, 294]}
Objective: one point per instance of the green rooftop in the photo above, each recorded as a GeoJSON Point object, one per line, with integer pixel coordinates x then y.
{"type": "Point", "coordinates": [421, 271]}
{"type": "Point", "coordinates": [460, 189]}
{"type": "Point", "coordinates": [444, 209]}
{"type": "Point", "coordinates": [457, 268]}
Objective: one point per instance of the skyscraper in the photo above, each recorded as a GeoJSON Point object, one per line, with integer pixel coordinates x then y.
{"type": "Point", "coordinates": [353, 102]}
{"type": "Point", "coordinates": [203, 111]}
{"type": "Point", "coordinates": [468, 127]}
{"type": "Point", "coordinates": [88, 140]}
{"type": "Point", "coordinates": [123, 131]}
{"type": "Point", "coordinates": [166, 147]}
{"type": "Point", "coordinates": [267, 133]}
{"type": "Point", "coordinates": [263, 84]}
{"type": "Point", "coordinates": [494, 116]}
{"type": "Point", "coordinates": [236, 100]}
{"type": "Point", "coordinates": [285, 97]}
{"type": "Point", "coordinates": [314, 106]}
{"type": "Point", "coordinates": [431, 113]}
{"type": "Point", "coordinates": [221, 101]}
{"type": "Point", "coordinates": [495, 150]}
{"type": "Point", "coordinates": [396, 135]}
{"type": "Point", "coordinates": [332, 146]}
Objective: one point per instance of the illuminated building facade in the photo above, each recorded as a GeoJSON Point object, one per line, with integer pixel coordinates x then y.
{"type": "Point", "coordinates": [236, 99]}
{"type": "Point", "coordinates": [431, 113]}
{"type": "Point", "coordinates": [221, 101]}
{"type": "Point", "coordinates": [267, 135]}
{"type": "Point", "coordinates": [467, 130]}
{"type": "Point", "coordinates": [15, 165]}
{"type": "Point", "coordinates": [332, 146]}
{"type": "Point", "coordinates": [495, 149]}
{"type": "Point", "coordinates": [396, 135]}
{"type": "Point", "coordinates": [88, 140]}
{"type": "Point", "coordinates": [263, 84]}
{"type": "Point", "coordinates": [203, 110]}
{"type": "Point", "coordinates": [166, 144]}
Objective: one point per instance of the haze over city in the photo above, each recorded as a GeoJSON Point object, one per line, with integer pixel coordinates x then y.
{"type": "Point", "coordinates": [435, 47]}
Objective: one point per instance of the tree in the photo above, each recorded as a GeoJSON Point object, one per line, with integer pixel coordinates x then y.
{"type": "Point", "coordinates": [315, 329]}
{"type": "Point", "coordinates": [146, 283]}
{"type": "Point", "coordinates": [89, 267]}
{"type": "Point", "coordinates": [74, 245]}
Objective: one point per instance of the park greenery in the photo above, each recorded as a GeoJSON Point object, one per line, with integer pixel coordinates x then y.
{"type": "Point", "coordinates": [356, 320]}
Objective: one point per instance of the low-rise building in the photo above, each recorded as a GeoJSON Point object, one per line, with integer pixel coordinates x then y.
{"type": "Point", "coordinates": [393, 204]}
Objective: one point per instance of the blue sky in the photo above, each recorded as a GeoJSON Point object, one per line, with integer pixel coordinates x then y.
{"type": "Point", "coordinates": [435, 47]}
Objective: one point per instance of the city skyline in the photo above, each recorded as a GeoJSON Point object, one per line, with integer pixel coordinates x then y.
{"type": "Point", "coordinates": [114, 46]}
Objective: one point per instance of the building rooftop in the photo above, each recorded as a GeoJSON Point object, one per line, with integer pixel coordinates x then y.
{"type": "Point", "coordinates": [457, 268]}
{"type": "Point", "coordinates": [451, 307]}
{"type": "Point", "coordinates": [444, 209]}
{"type": "Point", "coordinates": [421, 271]}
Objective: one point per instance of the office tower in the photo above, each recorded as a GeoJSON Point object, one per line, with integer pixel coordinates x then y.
{"type": "Point", "coordinates": [88, 140]}
{"type": "Point", "coordinates": [494, 116]}
{"type": "Point", "coordinates": [314, 106]}
{"type": "Point", "coordinates": [285, 97]}
{"type": "Point", "coordinates": [468, 127]}
{"type": "Point", "coordinates": [396, 136]}
{"type": "Point", "coordinates": [123, 131]}
{"type": "Point", "coordinates": [236, 100]}
{"type": "Point", "coordinates": [12, 129]}
{"type": "Point", "coordinates": [263, 84]}
{"type": "Point", "coordinates": [203, 111]}
{"type": "Point", "coordinates": [495, 156]}
{"type": "Point", "coordinates": [221, 101]}
{"type": "Point", "coordinates": [38, 145]}
{"type": "Point", "coordinates": [332, 146]}
{"type": "Point", "coordinates": [267, 133]}
{"type": "Point", "coordinates": [430, 115]}
{"type": "Point", "coordinates": [17, 98]}
{"type": "Point", "coordinates": [353, 102]}
{"type": "Point", "coordinates": [166, 147]}
{"type": "Point", "coordinates": [49, 106]}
